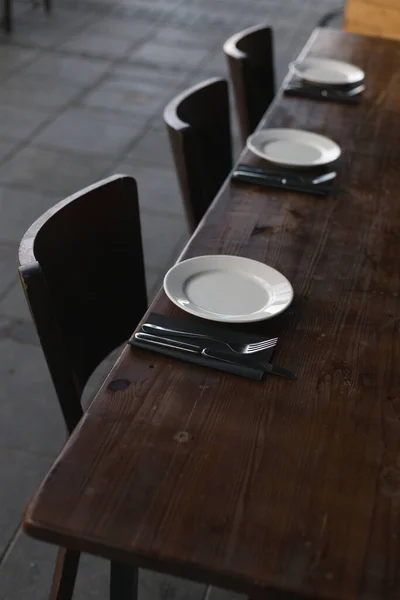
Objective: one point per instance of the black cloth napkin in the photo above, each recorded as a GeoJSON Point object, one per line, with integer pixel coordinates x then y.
{"type": "Point", "coordinates": [301, 89]}
{"type": "Point", "coordinates": [265, 181]}
{"type": "Point", "coordinates": [245, 366]}
{"type": "Point", "coordinates": [285, 178]}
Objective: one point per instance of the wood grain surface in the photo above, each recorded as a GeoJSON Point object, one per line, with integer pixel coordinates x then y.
{"type": "Point", "coordinates": [373, 17]}
{"type": "Point", "coordinates": [287, 487]}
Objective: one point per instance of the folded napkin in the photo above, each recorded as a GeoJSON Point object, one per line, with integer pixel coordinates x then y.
{"type": "Point", "coordinates": [284, 179]}
{"type": "Point", "coordinates": [246, 366]}
{"type": "Point", "coordinates": [303, 89]}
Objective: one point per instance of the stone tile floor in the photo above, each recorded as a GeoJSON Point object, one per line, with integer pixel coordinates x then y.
{"type": "Point", "coordinates": [81, 97]}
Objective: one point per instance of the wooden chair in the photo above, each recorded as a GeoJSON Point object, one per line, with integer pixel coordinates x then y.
{"type": "Point", "coordinates": [250, 57]}
{"type": "Point", "coordinates": [198, 124]}
{"type": "Point", "coordinates": [81, 267]}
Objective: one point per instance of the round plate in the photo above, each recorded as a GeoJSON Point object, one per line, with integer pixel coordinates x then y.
{"type": "Point", "coordinates": [323, 71]}
{"type": "Point", "coordinates": [293, 147]}
{"type": "Point", "coordinates": [232, 289]}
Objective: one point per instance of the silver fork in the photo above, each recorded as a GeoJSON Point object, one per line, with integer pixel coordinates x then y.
{"type": "Point", "coordinates": [234, 347]}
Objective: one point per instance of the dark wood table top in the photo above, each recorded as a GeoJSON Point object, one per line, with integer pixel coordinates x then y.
{"type": "Point", "coordinates": [278, 485]}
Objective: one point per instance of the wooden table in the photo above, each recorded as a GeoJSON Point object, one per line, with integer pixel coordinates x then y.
{"type": "Point", "coordinates": [276, 485]}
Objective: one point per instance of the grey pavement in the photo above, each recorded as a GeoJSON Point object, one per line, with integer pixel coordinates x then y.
{"type": "Point", "coordinates": [81, 97]}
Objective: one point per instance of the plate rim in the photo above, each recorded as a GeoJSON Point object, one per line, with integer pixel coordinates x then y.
{"type": "Point", "coordinates": [242, 319]}
{"type": "Point", "coordinates": [290, 163]}
{"type": "Point", "coordinates": [293, 66]}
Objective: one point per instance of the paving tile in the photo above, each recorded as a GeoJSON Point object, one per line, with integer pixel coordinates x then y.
{"type": "Point", "coordinates": [164, 55]}
{"type": "Point", "coordinates": [112, 26]}
{"type": "Point", "coordinates": [27, 573]}
{"type": "Point", "coordinates": [8, 266]}
{"type": "Point", "coordinates": [158, 188]}
{"type": "Point", "coordinates": [53, 171]}
{"type": "Point", "coordinates": [154, 279]}
{"type": "Point", "coordinates": [35, 90]}
{"type": "Point", "coordinates": [19, 123]}
{"type": "Point", "coordinates": [30, 417]}
{"type": "Point", "coordinates": [161, 76]}
{"type": "Point", "coordinates": [151, 12]}
{"type": "Point", "coordinates": [23, 332]}
{"type": "Point", "coordinates": [13, 58]}
{"type": "Point", "coordinates": [85, 130]}
{"type": "Point", "coordinates": [19, 208]}
{"type": "Point", "coordinates": [163, 239]}
{"type": "Point", "coordinates": [6, 146]}
{"type": "Point", "coordinates": [100, 45]}
{"type": "Point", "coordinates": [13, 305]}
{"type": "Point", "coordinates": [203, 18]}
{"type": "Point", "coordinates": [185, 37]}
{"type": "Point", "coordinates": [20, 475]}
{"type": "Point", "coordinates": [217, 65]}
{"type": "Point", "coordinates": [153, 149]}
{"type": "Point", "coordinates": [40, 30]}
{"type": "Point", "coordinates": [134, 96]}
{"type": "Point", "coordinates": [69, 68]}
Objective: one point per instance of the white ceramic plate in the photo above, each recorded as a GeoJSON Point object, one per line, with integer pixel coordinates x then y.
{"type": "Point", "coordinates": [293, 147]}
{"type": "Point", "coordinates": [232, 289]}
{"type": "Point", "coordinates": [323, 71]}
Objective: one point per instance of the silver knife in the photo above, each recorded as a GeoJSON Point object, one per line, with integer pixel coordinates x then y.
{"type": "Point", "coordinates": [210, 353]}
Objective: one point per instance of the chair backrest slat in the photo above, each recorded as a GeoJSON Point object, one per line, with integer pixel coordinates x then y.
{"type": "Point", "coordinates": [81, 267]}
{"type": "Point", "coordinates": [250, 56]}
{"type": "Point", "coordinates": [198, 125]}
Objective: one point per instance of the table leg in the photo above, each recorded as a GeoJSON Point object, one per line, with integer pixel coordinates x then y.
{"type": "Point", "coordinates": [7, 16]}
{"type": "Point", "coordinates": [123, 582]}
{"type": "Point", "coordinates": [64, 576]}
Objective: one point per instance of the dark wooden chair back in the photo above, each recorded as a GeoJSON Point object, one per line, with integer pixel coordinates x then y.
{"type": "Point", "coordinates": [250, 56]}
{"type": "Point", "coordinates": [81, 267]}
{"type": "Point", "coordinates": [198, 124]}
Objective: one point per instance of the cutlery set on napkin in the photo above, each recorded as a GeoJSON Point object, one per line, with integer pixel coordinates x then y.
{"type": "Point", "coordinates": [204, 344]}
{"type": "Point", "coordinates": [286, 179]}
{"type": "Point", "coordinates": [344, 95]}
{"type": "Point", "coordinates": [326, 79]}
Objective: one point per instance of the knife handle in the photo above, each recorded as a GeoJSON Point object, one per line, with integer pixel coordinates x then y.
{"type": "Point", "coordinates": [280, 371]}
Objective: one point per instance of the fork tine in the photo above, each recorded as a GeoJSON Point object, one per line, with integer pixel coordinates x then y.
{"type": "Point", "coordinates": [267, 344]}
{"type": "Point", "coordinates": [263, 343]}
{"type": "Point", "coordinates": [260, 348]}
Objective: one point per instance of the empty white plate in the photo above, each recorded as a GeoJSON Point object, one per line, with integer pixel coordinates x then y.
{"type": "Point", "coordinates": [324, 71]}
{"type": "Point", "coordinates": [293, 147]}
{"type": "Point", "coordinates": [232, 289]}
